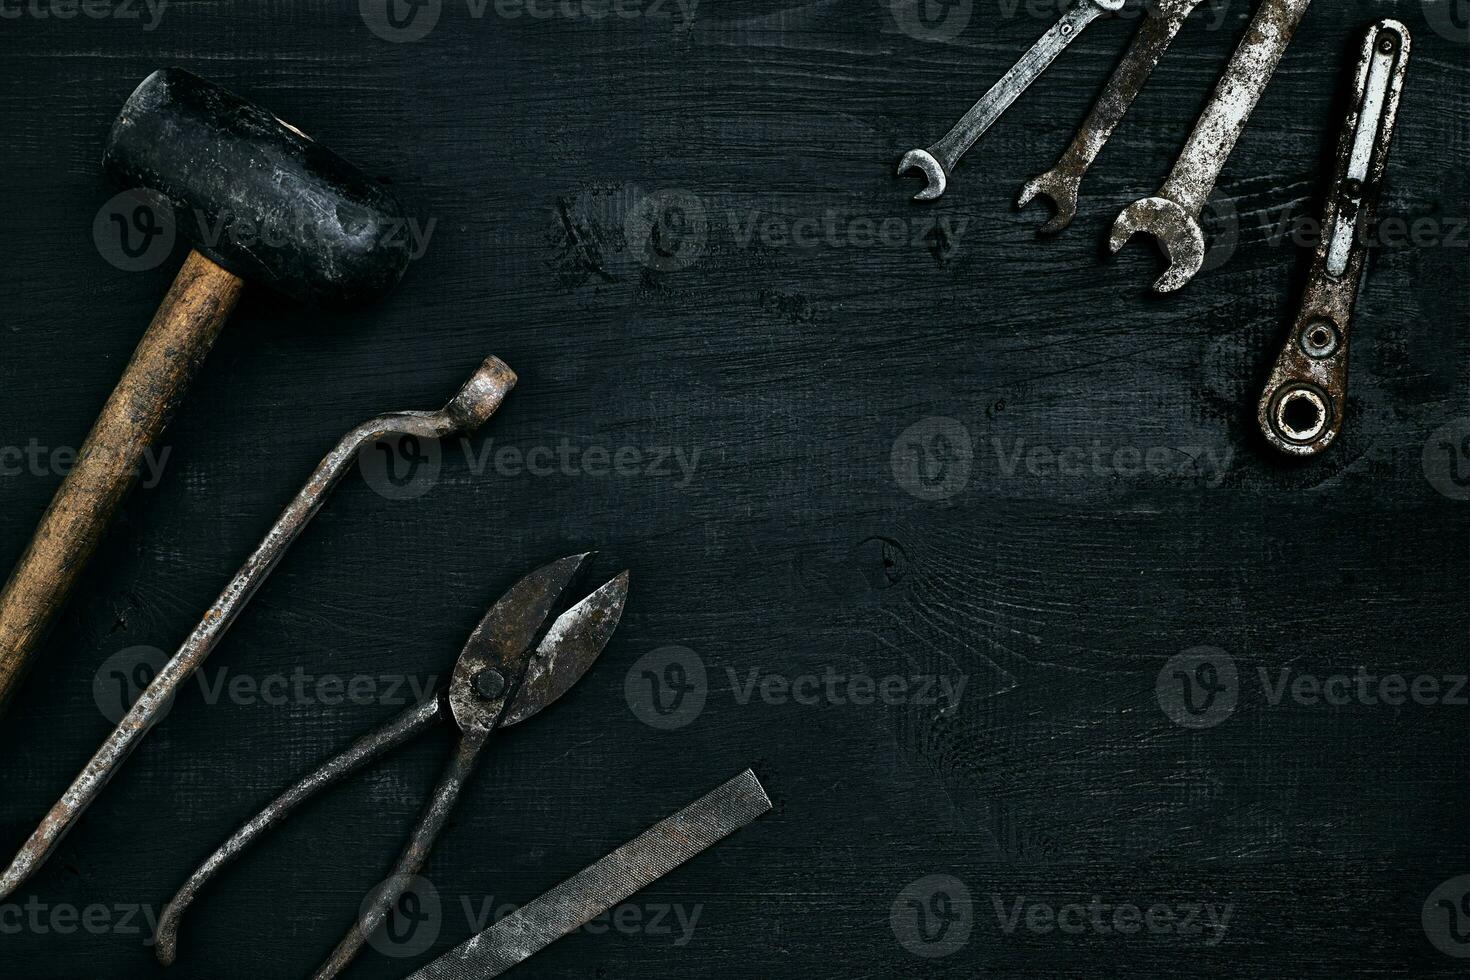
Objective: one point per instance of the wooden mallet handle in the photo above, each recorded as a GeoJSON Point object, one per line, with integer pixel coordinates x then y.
{"type": "Point", "coordinates": [177, 341]}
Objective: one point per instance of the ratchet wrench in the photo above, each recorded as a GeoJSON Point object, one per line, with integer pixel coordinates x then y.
{"type": "Point", "coordinates": [1301, 409]}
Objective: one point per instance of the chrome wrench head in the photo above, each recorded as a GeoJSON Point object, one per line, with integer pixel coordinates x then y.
{"type": "Point", "coordinates": [1177, 231]}
{"type": "Point", "coordinates": [938, 161]}
{"type": "Point", "coordinates": [935, 179]}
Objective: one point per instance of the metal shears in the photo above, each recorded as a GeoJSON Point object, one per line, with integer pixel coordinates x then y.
{"type": "Point", "coordinates": [513, 665]}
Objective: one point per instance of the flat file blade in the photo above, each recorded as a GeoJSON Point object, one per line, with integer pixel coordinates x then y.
{"type": "Point", "coordinates": [594, 890]}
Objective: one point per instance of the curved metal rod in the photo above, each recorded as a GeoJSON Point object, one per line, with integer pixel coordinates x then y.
{"type": "Point", "coordinates": [475, 403]}
{"type": "Point", "coordinates": [411, 861]}
{"type": "Point", "coordinates": [406, 726]}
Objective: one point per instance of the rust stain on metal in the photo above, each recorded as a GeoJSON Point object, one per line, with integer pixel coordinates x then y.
{"type": "Point", "coordinates": [1302, 407]}
{"type": "Point", "coordinates": [476, 401]}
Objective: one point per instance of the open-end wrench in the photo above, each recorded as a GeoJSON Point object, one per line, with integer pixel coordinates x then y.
{"type": "Point", "coordinates": [1161, 24]}
{"type": "Point", "coordinates": [938, 161]}
{"type": "Point", "coordinates": [1172, 216]}
{"type": "Point", "coordinates": [1301, 410]}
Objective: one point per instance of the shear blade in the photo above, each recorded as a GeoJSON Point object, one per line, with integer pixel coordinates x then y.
{"type": "Point", "coordinates": [571, 644]}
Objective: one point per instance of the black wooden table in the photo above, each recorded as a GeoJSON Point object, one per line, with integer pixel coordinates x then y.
{"type": "Point", "coordinates": [922, 510]}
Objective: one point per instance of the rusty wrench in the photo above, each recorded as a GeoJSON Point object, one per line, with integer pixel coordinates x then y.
{"type": "Point", "coordinates": [1161, 24]}
{"type": "Point", "coordinates": [1301, 409]}
{"type": "Point", "coordinates": [938, 161]}
{"type": "Point", "coordinates": [470, 409]}
{"type": "Point", "coordinates": [1172, 216]}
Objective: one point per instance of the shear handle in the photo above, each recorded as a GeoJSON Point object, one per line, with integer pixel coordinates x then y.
{"type": "Point", "coordinates": [385, 898]}
{"type": "Point", "coordinates": [401, 729]}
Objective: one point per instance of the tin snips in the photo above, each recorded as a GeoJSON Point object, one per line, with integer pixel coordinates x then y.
{"type": "Point", "coordinates": [517, 661]}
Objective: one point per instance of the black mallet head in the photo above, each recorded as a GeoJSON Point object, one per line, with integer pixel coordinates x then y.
{"type": "Point", "coordinates": [257, 196]}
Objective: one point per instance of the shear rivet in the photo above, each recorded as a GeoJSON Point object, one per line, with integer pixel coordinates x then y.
{"type": "Point", "coordinates": [490, 683]}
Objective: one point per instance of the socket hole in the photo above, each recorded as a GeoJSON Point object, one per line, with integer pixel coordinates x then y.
{"type": "Point", "coordinates": [1301, 415]}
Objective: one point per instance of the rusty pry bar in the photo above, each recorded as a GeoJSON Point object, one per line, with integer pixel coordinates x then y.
{"type": "Point", "coordinates": [1301, 409]}
{"type": "Point", "coordinates": [475, 403]}
{"type": "Point", "coordinates": [503, 676]}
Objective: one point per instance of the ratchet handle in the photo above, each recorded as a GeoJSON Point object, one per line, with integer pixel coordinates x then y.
{"type": "Point", "coordinates": [1301, 409]}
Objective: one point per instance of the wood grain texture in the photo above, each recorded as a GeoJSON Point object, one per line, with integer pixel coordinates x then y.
{"type": "Point", "coordinates": [792, 369]}
{"type": "Point", "coordinates": [174, 346]}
